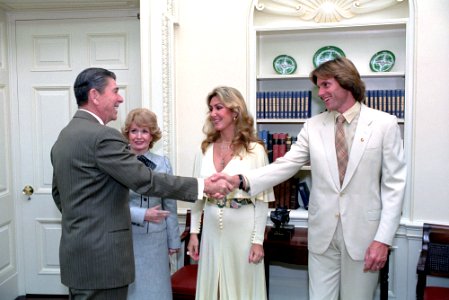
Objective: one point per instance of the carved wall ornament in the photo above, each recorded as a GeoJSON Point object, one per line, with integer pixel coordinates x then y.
{"type": "Point", "coordinates": [167, 40]}
{"type": "Point", "coordinates": [322, 11]}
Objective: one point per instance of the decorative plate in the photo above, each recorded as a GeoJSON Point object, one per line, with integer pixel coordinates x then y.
{"type": "Point", "coordinates": [382, 61]}
{"type": "Point", "coordinates": [284, 64]}
{"type": "Point", "coordinates": [327, 53]}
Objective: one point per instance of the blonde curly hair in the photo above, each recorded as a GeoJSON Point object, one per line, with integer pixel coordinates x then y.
{"type": "Point", "coordinates": [244, 132]}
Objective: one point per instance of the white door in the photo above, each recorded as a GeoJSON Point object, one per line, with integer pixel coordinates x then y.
{"type": "Point", "coordinates": [50, 54]}
{"type": "Point", "coordinates": [8, 259]}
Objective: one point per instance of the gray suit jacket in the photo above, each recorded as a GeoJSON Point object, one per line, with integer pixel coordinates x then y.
{"type": "Point", "coordinates": [369, 203]}
{"type": "Point", "coordinates": [92, 174]}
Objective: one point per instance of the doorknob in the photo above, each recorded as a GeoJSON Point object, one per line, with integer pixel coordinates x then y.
{"type": "Point", "coordinates": [28, 190]}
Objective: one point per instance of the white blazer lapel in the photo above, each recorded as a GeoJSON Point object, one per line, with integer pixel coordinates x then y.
{"type": "Point", "coordinates": [361, 137]}
{"type": "Point", "coordinates": [328, 138]}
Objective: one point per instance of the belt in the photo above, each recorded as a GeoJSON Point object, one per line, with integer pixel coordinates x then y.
{"type": "Point", "coordinates": [229, 203]}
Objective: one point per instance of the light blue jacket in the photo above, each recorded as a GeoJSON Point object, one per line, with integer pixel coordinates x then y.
{"type": "Point", "coordinates": [140, 203]}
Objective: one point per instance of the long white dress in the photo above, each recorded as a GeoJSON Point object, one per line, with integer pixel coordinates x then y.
{"type": "Point", "coordinates": [228, 233]}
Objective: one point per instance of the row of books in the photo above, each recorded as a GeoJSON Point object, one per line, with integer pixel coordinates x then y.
{"type": "Point", "coordinates": [291, 194]}
{"type": "Point", "coordinates": [284, 105]}
{"type": "Point", "coordinates": [277, 144]}
{"type": "Point", "coordinates": [390, 101]}
{"type": "Point", "coordinates": [297, 104]}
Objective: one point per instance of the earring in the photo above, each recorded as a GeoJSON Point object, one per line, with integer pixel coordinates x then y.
{"type": "Point", "coordinates": [235, 118]}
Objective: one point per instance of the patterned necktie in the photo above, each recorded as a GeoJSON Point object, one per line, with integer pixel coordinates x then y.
{"type": "Point", "coordinates": [341, 148]}
{"type": "Point", "coordinates": [146, 161]}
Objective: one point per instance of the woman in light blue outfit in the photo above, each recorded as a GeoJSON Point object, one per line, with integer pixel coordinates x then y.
{"type": "Point", "coordinates": [155, 220]}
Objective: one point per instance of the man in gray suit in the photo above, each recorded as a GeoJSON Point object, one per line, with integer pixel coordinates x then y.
{"type": "Point", "coordinates": [354, 209]}
{"type": "Point", "coordinates": [93, 172]}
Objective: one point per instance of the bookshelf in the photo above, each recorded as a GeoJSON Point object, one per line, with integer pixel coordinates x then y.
{"type": "Point", "coordinates": [359, 37]}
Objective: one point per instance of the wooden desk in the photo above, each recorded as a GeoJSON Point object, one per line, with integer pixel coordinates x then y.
{"type": "Point", "coordinates": [294, 251]}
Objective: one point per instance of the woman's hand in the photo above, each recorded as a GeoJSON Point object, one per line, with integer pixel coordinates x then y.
{"type": "Point", "coordinates": [155, 214]}
{"type": "Point", "coordinates": [172, 251]}
{"type": "Point", "coordinates": [256, 254]}
{"type": "Point", "coordinates": [193, 247]}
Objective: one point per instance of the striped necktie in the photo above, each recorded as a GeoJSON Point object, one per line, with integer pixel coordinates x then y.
{"type": "Point", "coordinates": [341, 148]}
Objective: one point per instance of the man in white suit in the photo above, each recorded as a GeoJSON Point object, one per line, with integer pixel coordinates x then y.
{"type": "Point", "coordinates": [352, 223]}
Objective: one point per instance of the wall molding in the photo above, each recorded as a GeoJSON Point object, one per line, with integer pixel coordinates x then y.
{"type": "Point", "coordinates": [323, 11]}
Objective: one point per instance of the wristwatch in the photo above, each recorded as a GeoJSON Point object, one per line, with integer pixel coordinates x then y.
{"type": "Point", "coordinates": [241, 182]}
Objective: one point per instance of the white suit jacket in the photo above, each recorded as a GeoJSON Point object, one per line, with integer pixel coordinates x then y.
{"type": "Point", "coordinates": [369, 202]}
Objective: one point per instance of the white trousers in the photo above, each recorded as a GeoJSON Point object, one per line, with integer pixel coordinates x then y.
{"type": "Point", "coordinates": [334, 275]}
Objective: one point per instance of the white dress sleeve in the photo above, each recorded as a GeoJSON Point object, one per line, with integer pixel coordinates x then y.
{"type": "Point", "coordinates": [260, 221]}
{"type": "Point", "coordinates": [198, 206]}
{"type": "Point", "coordinates": [261, 202]}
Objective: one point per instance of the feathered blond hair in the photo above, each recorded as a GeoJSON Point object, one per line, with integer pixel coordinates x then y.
{"type": "Point", "coordinates": [244, 132]}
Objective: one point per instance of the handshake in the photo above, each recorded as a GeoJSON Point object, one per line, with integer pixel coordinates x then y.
{"type": "Point", "coordinates": [220, 184]}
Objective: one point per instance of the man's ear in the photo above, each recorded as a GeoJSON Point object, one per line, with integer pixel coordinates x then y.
{"type": "Point", "coordinates": [93, 96]}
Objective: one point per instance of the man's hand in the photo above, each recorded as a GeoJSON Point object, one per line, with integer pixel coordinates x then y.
{"type": "Point", "coordinates": [155, 214]}
{"type": "Point", "coordinates": [233, 180]}
{"type": "Point", "coordinates": [375, 257]}
{"type": "Point", "coordinates": [217, 188]}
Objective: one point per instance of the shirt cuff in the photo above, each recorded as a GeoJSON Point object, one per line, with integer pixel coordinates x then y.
{"type": "Point", "coordinates": [138, 215]}
{"type": "Point", "coordinates": [200, 188]}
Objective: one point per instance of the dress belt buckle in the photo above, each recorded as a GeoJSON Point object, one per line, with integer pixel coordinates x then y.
{"type": "Point", "coordinates": [230, 203]}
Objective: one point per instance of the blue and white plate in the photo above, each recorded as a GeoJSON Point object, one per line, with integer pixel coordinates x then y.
{"type": "Point", "coordinates": [382, 61]}
{"type": "Point", "coordinates": [327, 53]}
{"type": "Point", "coordinates": [284, 64]}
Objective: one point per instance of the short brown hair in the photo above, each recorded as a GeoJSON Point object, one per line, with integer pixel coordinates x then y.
{"type": "Point", "coordinates": [346, 74]}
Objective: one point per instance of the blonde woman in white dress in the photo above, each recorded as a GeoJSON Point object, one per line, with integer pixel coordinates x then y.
{"type": "Point", "coordinates": [231, 249]}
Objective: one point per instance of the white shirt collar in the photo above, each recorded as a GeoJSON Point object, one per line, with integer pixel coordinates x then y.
{"type": "Point", "coordinates": [351, 113]}
{"type": "Point", "coordinates": [96, 117]}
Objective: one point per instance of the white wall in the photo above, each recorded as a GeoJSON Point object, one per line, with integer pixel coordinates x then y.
{"type": "Point", "coordinates": [210, 51]}
{"type": "Point", "coordinates": [430, 181]}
